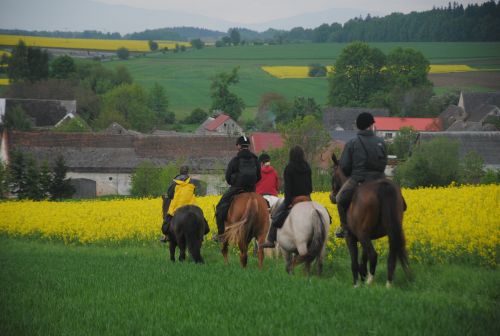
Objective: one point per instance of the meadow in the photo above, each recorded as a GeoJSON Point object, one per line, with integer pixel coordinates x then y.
{"type": "Point", "coordinates": [96, 267]}
{"type": "Point", "coordinates": [187, 75]}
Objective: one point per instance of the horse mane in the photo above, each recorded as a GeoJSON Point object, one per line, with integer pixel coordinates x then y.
{"type": "Point", "coordinates": [238, 231]}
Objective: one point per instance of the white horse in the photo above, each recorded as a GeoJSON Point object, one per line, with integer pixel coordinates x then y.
{"type": "Point", "coordinates": [303, 236]}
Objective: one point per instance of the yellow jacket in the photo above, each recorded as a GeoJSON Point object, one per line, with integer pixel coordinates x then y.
{"type": "Point", "coordinates": [183, 195]}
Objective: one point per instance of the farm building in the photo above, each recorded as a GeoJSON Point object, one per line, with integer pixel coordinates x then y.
{"type": "Point", "coordinates": [486, 144]}
{"type": "Point", "coordinates": [262, 141]}
{"type": "Point", "coordinates": [220, 125]}
{"type": "Point", "coordinates": [388, 127]}
{"type": "Point", "coordinates": [101, 164]}
{"type": "Point", "coordinates": [472, 111]}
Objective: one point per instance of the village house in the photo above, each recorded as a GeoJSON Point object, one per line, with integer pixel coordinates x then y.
{"type": "Point", "coordinates": [388, 127]}
{"type": "Point", "coordinates": [344, 118]}
{"type": "Point", "coordinates": [472, 111]}
{"type": "Point", "coordinates": [220, 125]}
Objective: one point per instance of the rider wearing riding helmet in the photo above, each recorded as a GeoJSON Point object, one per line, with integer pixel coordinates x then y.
{"type": "Point", "coordinates": [242, 174]}
{"type": "Point", "coordinates": [298, 185]}
{"type": "Point", "coordinates": [269, 182]}
{"type": "Point", "coordinates": [363, 159]}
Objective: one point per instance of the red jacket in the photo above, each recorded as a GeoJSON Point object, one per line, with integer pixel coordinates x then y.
{"type": "Point", "coordinates": [268, 184]}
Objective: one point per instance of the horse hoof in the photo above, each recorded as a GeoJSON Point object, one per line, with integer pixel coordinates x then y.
{"type": "Point", "coordinates": [388, 284]}
{"type": "Point", "coordinates": [356, 285]}
{"type": "Point", "coordinates": [369, 279]}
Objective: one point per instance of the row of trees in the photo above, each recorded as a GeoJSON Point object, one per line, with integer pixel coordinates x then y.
{"type": "Point", "coordinates": [26, 178]}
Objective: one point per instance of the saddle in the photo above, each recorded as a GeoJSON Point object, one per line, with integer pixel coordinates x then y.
{"type": "Point", "coordinates": [298, 199]}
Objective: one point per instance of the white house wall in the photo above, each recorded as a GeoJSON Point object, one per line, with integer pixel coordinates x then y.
{"type": "Point", "coordinates": [107, 183]}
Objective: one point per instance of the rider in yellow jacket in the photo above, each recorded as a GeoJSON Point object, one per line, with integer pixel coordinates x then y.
{"type": "Point", "coordinates": [180, 193]}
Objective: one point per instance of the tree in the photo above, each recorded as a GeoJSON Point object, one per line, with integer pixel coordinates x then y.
{"type": "Point", "coordinates": [234, 35]}
{"type": "Point", "coordinates": [197, 116]}
{"type": "Point", "coordinates": [265, 115]}
{"type": "Point", "coordinates": [16, 119]}
{"type": "Point", "coordinates": [4, 181]}
{"type": "Point", "coordinates": [127, 104]}
{"type": "Point", "coordinates": [317, 70]}
{"type": "Point", "coordinates": [222, 98]}
{"type": "Point", "coordinates": [403, 142]}
{"type": "Point", "coordinates": [33, 190]}
{"type": "Point", "coordinates": [197, 43]}
{"type": "Point", "coordinates": [60, 186]}
{"type": "Point", "coordinates": [123, 53]}
{"type": "Point", "coordinates": [17, 174]}
{"type": "Point", "coordinates": [407, 68]}
{"type": "Point", "coordinates": [150, 180]}
{"type": "Point", "coordinates": [357, 75]}
{"type": "Point", "coordinates": [308, 132]}
{"type": "Point", "coordinates": [471, 168]}
{"type": "Point", "coordinates": [152, 45]}
{"type": "Point", "coordinates": [63, 67]}
{"type": "Point", "coordinates": [28, 63]}
{"type": "Point", "coordinates": [122, 76]}
{"type": "Point", "coordinates": [158, 102]}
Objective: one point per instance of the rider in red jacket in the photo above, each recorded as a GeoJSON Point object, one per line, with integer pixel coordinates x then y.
{"type": "Point", "coordinates": [269, 183]}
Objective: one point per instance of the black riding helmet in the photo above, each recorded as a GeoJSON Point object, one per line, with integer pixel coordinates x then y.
{"type": "Point", "coordinates": [243, 141]}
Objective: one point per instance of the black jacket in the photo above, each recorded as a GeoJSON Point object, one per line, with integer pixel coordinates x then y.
{"type": "Point", "coordinates": [298, 181]}
{"type": "Point", "coordinates": [357, 164]}
{"type": "Point", "coordinates": [232, 171]}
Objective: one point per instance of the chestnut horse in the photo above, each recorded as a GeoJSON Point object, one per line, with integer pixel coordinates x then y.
{"type": "Point", "coordinates": [248, 218]}
{"type": "Point", "coordinates": [376, 210]}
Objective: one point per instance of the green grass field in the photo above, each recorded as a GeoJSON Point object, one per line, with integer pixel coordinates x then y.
{"type": "Point", "coordinates": [186, 76]}
{"type": "Point", "coordinates": [49, 288]}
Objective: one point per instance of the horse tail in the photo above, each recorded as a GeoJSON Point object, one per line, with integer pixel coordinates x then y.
{"type": "Point", "coordinates": [238, 231]}
{"type": "Point", "coordinates": [391, 220]}
{"type": "Point", "coordinates": [317, 242]}
{"type": "Point", "coordinates": [193, 225]}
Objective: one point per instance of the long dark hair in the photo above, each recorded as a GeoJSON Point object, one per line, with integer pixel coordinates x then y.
{"type": "Point", "coordinates": [297, 154]}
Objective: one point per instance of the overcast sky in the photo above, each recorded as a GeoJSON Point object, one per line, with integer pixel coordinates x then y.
{"type": "Point", "coordinates": [255, 11]}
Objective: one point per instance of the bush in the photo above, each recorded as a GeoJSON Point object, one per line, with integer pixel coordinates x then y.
{"type": "Point", "coordinates": [491, 176]}
{"type": "Point", "coordinates": [317, 70]}
{"type": "Point", "coordinates": [433, 163]}
{"type": "Point", "coordinates": [150, 180]}
{"type": "Point", "coordinates": [123, 53]}
{"type": "Point", "coordinates": [197, 116]}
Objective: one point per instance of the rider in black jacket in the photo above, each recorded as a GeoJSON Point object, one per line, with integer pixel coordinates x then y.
{"type": "Point", "coordinates": [298, 182]}
{"type": "Point", "coordinates": [364, 159]}
{"type": "Point", "coordinates": [242, 174]}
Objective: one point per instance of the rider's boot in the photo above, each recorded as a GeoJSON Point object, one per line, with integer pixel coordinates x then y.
{"type": "Point", "coordinates": [271, 238]}
{"type": "Point", "coordinates": [341, 231]}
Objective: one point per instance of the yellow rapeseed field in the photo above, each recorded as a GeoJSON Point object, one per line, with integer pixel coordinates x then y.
{"type": "Point", "coordinates": [86, 44]}
{"type": "Point", "coordinates": [303, 71]}
{"type": "Point", "coordinates": [440, 223]}
{"type": "Point", "coordinates": [4, 81]}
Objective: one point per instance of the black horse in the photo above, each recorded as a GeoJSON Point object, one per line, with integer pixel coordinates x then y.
{"type": "Point", "coordinates": [187, 229]}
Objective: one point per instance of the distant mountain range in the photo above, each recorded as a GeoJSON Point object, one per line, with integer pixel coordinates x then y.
{"type": "Point", "coordinates": [65, 15]}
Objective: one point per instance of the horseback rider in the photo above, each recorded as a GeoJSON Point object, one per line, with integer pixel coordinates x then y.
{"type": "Point", "coordinates": [269, 183]}
{"type": "Point", "coordinates": [179, 193]}
{"type": "Point", "coordinates": [363, 159]}
{"type": "Point", "coordinates": [242, 174]}
{"type": "Point", "coordinates": [298, 186]}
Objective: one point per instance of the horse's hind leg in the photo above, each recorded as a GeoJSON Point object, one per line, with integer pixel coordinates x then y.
{"type": "Point", "coordinates": [319, 262]}
{"type": "Point", "coordinates": [243, 255]}
{"type": "Point", "coordinates": [391, 266]}
{"type": "Point", "coordinates": [289, 262]}
{"type": "Point", "coordinates": [182, 248]}
{"type": "Point", "coordinates": [352, 245]}
{"type": "Point", "coordinates": [372, 257]}
{"type": "Point", "coordinates": [225, 251]}
{"type": "Point", "coordinates": [172, 246]}
{"type": "Point", "coordinates": [363, 270]}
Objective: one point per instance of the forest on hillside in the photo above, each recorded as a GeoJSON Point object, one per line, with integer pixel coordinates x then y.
{"type": "Point", "coordinates": [474, 22]}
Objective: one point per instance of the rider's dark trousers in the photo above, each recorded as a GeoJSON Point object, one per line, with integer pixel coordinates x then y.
{"type": "Point", "coordinates": [277, 221]}
{"type": "Point", "coordinates": [344, 198]}
{"type": "Point", "coordinates": [225, 203]}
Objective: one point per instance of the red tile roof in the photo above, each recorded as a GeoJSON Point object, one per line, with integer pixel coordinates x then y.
{"type": "Point", "coordinates": [418, 124]}
{"type": "Point", "coordinates": [262, 141]}
{"type": "Point", "coordinates": [212, 126]}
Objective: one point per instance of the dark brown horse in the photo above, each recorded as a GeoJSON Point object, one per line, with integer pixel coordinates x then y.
{"type": "Point", "coordinates": [248, 218]}
{"type": "Point", "coordinates": [376, 210]}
